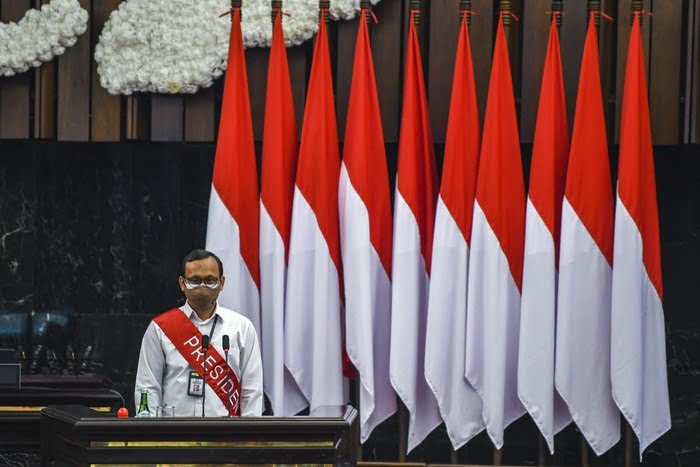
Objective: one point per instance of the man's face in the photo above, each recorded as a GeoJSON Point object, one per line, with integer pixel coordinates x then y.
{"type": "Point", "coordinates": [196, 272]}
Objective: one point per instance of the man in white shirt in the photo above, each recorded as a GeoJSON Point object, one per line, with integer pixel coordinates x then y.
{"type": "Point", "coordinates": [175, 357]}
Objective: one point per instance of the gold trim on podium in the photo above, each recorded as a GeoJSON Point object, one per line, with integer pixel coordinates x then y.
{"type": "Point", "coordinates": [210, 465]}
{"type": "Point", "coordinates": [37, 408]}
{"type": "Point", "coordinates": [189, 444]}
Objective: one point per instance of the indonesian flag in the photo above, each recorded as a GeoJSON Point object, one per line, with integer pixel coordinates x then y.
{"type": "Point", "coordinates": [542, 223]}
{"type": "Point", "coordinates": [460, 406]}
{"type": "Point", "coordinates": [312, 326]}
{"type": "Point", "coordinates": [279, 163]}
{"type": "Point", "coordinates": [233, 222]}
{"type": "Point", "coordinates": [496, 256]}
{"type": "Point", "coordinates": [365, 238]}
{"type": "Point", "coordinates": [638, 353]}
{"type": "Point", "coordinates": [414, 219]}
{"type": "Point", "coordinates": [582, 368]}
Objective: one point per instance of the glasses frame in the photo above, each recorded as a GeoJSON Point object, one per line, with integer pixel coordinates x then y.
{"type": "Point", "coordinates": [191, 286]}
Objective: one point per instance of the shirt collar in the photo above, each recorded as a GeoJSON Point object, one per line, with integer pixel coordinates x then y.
{"type": "Point", "coordinates": [189, 311]}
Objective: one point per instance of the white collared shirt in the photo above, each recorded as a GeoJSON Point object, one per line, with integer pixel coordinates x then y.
{"type": "Point", "coordinates": [165, 373]}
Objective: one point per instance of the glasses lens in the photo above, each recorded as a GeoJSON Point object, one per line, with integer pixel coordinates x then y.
{"type": "Point", "coordinates": [211, 283]}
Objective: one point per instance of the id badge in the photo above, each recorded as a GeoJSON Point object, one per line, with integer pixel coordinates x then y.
{"type": "Point", "coordinates": [196, 385]}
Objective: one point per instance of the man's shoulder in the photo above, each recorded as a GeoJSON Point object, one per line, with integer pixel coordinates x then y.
{"type": "Point", "coordinates": [234, 317]}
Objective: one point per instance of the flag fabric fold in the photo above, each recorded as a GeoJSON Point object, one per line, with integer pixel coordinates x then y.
{"type": "Point", "coordinates": [582, 362]}
{"type": "Point", "coordinates": [233, 219]}
{"type": "Point", "coordinates": [414, 218]}
{"type": "Point", "coordinates": [496, 256]}
{"type": "Point", "coordinates": [638, 348]}
{"type": "Point", "coordinates": [312, 327]}
{"type": "Point", "coordinates": [550, 152]}
{"type": "Point", "coordinates": [365, 239]}
{"type": "Point", "coordinates": [279, 160]}
{"type": "Point", "coordinates": [460, 406]}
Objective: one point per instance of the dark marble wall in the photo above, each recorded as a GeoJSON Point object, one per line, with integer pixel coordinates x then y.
{"type": "Point", "coordinates": [92, 235]}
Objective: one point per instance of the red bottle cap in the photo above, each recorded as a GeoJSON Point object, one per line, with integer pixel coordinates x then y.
{"type": "Point", "coordinates": [123, 412]}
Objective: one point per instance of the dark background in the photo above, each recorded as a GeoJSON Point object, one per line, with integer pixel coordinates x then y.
{"type": "Point", "coordinates": [92, 236]}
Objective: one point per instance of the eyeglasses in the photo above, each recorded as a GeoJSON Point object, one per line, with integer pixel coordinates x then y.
{"type": "Point", "coordinates": [194, 282]}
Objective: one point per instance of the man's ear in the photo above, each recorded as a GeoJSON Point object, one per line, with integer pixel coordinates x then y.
{"type": "Point", "coordinates": [182, 283]}
{"type": "Point", "coordinates": [223, 279]}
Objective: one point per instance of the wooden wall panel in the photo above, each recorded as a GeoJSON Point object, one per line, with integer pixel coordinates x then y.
{"type": "Point", "coordinates": [444, 33]}
{"type": "Point", "coordinates": [573, 35]}
{"type": "Point", "coordinates": [64, 100]}
{"type": "Point", "coordinates": [692, 99]}
{"type": "Point", "coordinates": [199, 115]}
{"type": "Point", "coordinates": [167, 117]}
{"type": "Point", "coordinates": [606, 48]}
{"type": "Point", "coordinates": [14, 91]}
{"type": "Point", "coordinates": [536, 24]}
{"type": "Point", "coordinates": [74, 88]}
{"type": "Point", "coordinates": [514, 32]}
{"type": "Point", "coordinates": [388, 59]}
{"type": "Point", "coordinates": [482, 35]}
{"type": "Point", "coordinates": [624, 27]}
{"type": "Point", "coordinates": [138, 111]}
{"type": "Point", "coordinates": [299, 58]}
{"type": "Point", "coordinates": [45, 102]}
{"type": "Point", "coordinates": [665, 75]}
{"type": "Point", "coordinates": [106, 108]}
{"type": "Point", "coordinates": [257, 60]}
{"type": "Point", "coordinates": [347, 37]}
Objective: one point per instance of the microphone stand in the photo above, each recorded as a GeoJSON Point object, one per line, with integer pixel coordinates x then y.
{"type": "Point", "coordinates": [205, 347]}
{"type": "Point", "coordinates": [227, 345]}
{"type": "Point", "coordinates": [228, 378]}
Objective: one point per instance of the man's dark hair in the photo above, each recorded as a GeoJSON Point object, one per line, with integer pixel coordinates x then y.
{"type": "Point", "coordinates": [196, 255]}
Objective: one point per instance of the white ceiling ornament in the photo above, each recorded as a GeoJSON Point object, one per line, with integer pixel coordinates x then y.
{"type": "Point", "coordinates": [40, 35]}
{"type": "Point", "coordinates": [179, 46]}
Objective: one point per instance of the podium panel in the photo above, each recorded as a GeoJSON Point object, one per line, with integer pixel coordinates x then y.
{"type": "Point", "coordinates": [77, 435]}
{"type": "Point", "coordinates": [20, 419]}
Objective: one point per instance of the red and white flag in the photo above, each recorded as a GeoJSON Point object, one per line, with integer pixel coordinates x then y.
{"type": "Point", "coordinates": [496, 256]}
{"type": "Point", "coordinates": [312, 326]}
{"type": "Point", "coordinates": [280, 148]}
{"type": "Point", "coordinates": [414, 220]}
{"type": "Point", "coordinates": [638, 363]}
{"type": "Point", "coordinates": [582, 368]}
{"type": "Point", "coordinates": [365, 239]}
{"type": "Point", "coordinates": [550, 153]}
{"type": "Point", "coordinates": [234, 203]}
{"type": "Point", "coordinates": [460, 406]}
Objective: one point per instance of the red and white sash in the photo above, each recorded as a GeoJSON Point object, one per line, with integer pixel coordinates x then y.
{"type": "Point", "coordinates": [188, 341]}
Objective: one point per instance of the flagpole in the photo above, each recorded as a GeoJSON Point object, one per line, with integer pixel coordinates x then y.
{"type": "Point", "coordinates": [542, 452]}
{"type": "Point", "coordinates": [503, 7]}
{"type": "Point", "coordinates": [630, 448]}
{"type": "Point", "coordinates": [465, 13]}
{"type": "Point", "coordinates": [415, 12]}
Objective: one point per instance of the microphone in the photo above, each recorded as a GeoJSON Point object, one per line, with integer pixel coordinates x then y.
{"type": "Point", "coordinates": [205, 348]}
{"type": "Point", "coordinates": [226, 344]}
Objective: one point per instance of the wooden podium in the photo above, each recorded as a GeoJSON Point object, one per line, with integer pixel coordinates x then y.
{"type": "Point", "coordinates": [76, 435]}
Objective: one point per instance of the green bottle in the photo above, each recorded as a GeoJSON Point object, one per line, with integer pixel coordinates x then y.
{"type": "Point", "coordinates": [143, 405]}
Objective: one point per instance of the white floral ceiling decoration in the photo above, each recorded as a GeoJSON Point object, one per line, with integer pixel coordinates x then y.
{"type": "Point", "coordinates": [179, 46]}
{"type": "Point", "coordinates": [40, 35]}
